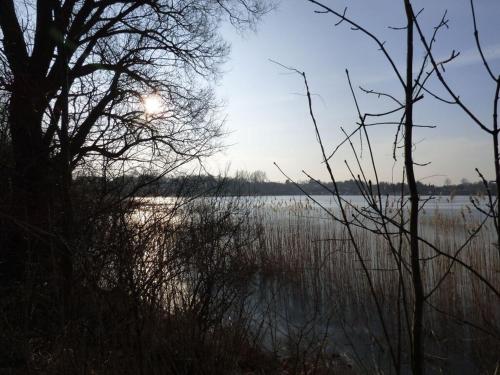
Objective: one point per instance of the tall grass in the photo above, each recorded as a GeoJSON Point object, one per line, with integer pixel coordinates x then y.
{"type": "Point", "coordinates": [313, 267]}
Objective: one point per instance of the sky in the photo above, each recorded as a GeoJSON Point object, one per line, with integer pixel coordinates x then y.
{"type": "Point", "coordinates": [267, 113]}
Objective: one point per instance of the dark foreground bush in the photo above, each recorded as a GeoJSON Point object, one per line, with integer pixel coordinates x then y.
{"type": "Point", "coordinates": [157, 289]}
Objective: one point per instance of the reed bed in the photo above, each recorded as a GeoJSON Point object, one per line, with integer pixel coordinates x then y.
{"type": "Point", "coordinates": [308, 267]}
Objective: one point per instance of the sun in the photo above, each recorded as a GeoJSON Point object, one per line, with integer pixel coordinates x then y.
{"type": "Point", "coordinates": [152, 104]}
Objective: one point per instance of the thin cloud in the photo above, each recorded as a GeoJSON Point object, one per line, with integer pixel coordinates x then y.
{"type": "Point", "coordinates": [472, 56]}
{"type": "Point", "coordinates": [467, 57]}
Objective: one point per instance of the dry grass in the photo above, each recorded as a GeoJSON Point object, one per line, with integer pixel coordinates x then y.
{"type": "Point", "coordinates": [311, 260]}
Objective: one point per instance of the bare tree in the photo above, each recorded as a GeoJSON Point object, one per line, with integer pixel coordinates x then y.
{"type": "Point", "coordinates": [397, 224]}
{"type": "Point", "coordinates": [121, 80]}
{"type": "Point", "coordinates": [490, 128]}
{"type": "Point", "coordinates": [112, 86]}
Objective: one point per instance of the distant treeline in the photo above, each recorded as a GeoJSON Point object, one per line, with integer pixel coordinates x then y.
{"type": "Point", "coordinates": [230, 186]}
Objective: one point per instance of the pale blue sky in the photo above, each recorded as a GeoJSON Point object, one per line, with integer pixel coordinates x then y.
{"type": "Point", "coordinates": [268, 116]}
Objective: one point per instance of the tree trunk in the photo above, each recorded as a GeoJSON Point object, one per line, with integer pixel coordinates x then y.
{"type": "Point", "coordinates": [32, 204]}
{"type": "Point", "coordinates": [417, 357]}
